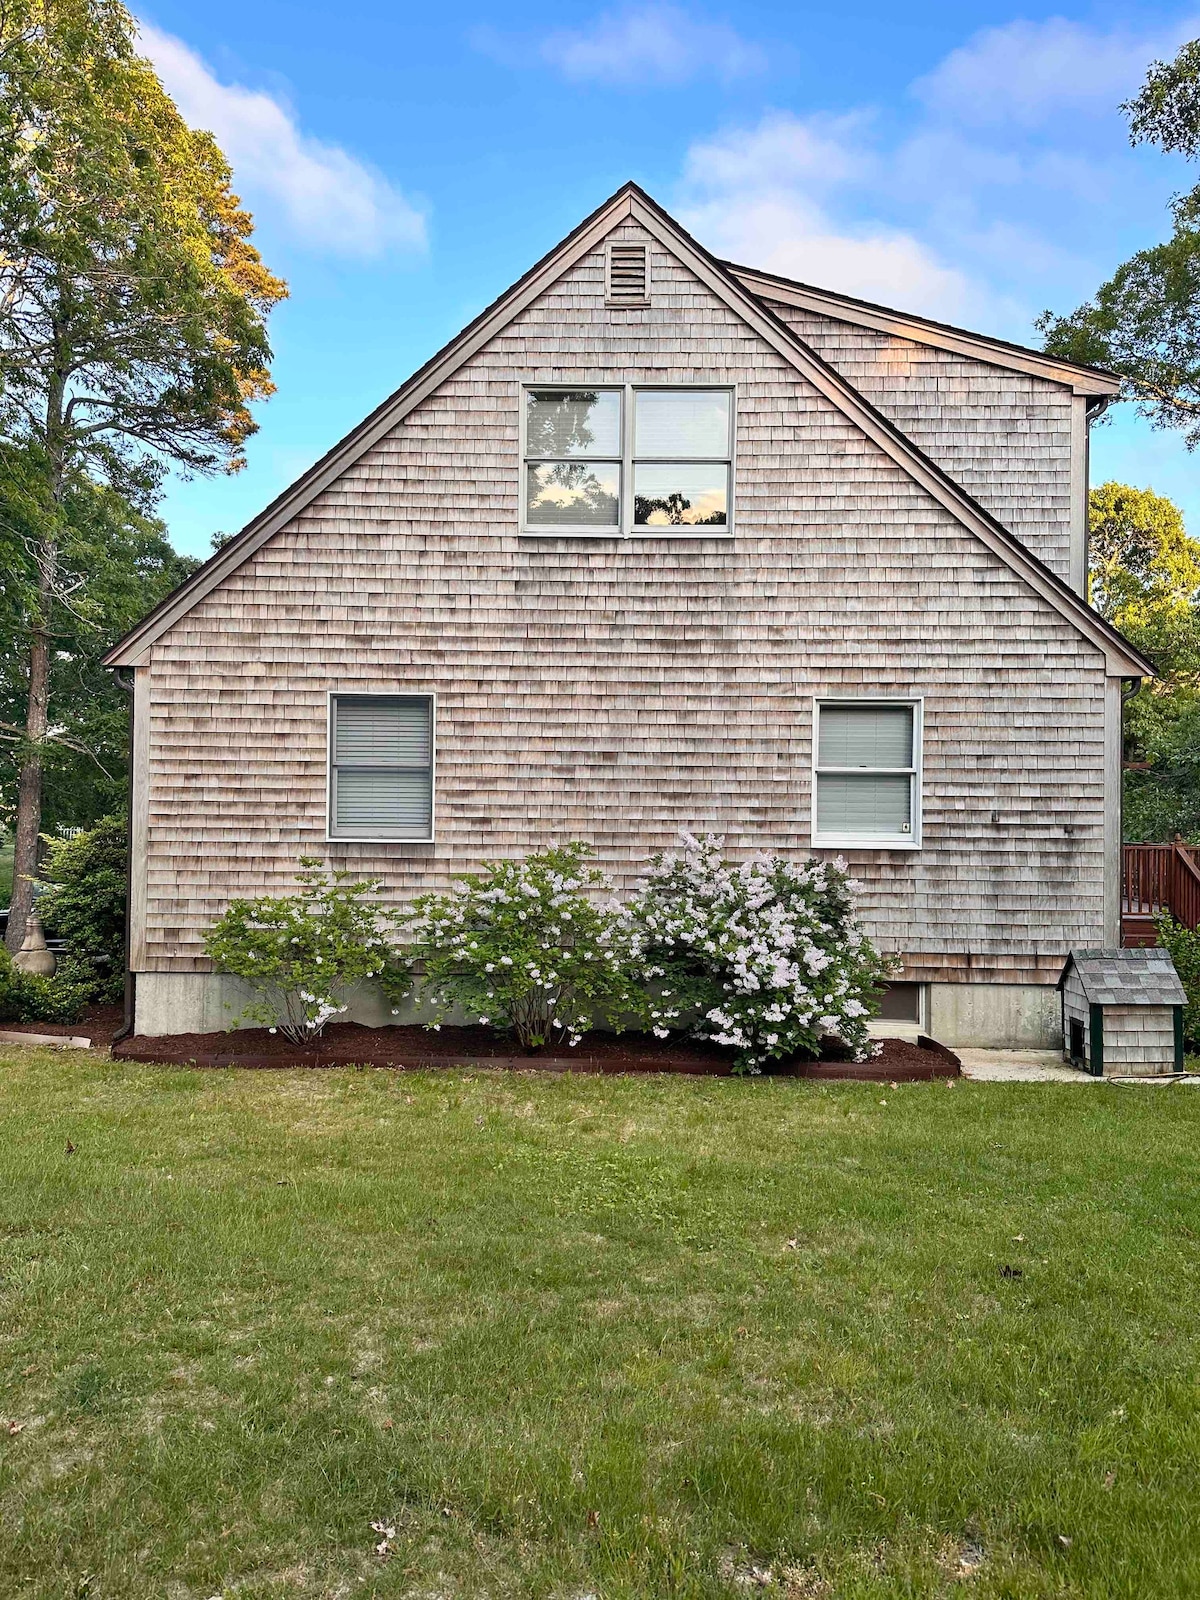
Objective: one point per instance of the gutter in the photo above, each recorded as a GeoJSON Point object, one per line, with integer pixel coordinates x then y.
{"type": "Point", "coordinates": [125, 677]}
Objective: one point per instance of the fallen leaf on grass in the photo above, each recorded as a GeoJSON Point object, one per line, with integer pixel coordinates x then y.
{"type": "Point", "coordinates": [16, 1427]}
{"type": "Point", "coordinates": [1065, 1540]}
{"type": "Point", "coordinates": [1011, 1272]}
{"type": "Point", "coordinates": [70, 1149]}
{"type": "Point", "coordinates": [593, 1519]}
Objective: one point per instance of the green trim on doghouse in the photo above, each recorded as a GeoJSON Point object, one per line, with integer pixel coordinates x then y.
{"type": "Point", "coordinates": [1178, 1010]}
{"type": "Point", "coordinates": [1096, 1040]}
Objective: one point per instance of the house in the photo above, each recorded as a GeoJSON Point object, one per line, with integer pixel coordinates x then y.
{"type": "Point", "coordinates": [661, 542]}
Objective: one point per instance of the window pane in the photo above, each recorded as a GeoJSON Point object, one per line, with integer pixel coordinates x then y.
{"type": "Point", "coordinates": [866, 736]}
{"type": "Point", "coordinates": [378, 732]}
{"type": "Point", "coordinates": [867, 803]}
{"type": "Point", "coordinates": [584, 422]}
{"type": "Point", "coordinates": [681, 422]}
{"type": "Point", "coordinates": [572, 494]}
{"type": "Point", "coordinates": [680, 496]}
{"type": "Point", "coordinates": [377, 804]}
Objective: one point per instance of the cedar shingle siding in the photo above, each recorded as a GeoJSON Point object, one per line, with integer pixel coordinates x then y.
{"type": "Point", "coordinates": [617, 691]}
{"type": "Point", "coordinates": [1004, 436]}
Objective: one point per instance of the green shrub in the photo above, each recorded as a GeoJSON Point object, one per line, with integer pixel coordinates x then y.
{"type": "Point", "coordinates": [28, 998]}
{"type": "Point", "coordinates": [527, 946]}
{"type": "Point", "coordinates": [765, 954]}
{"type": "Point", "coordinates": [84, 904]}
{"type": "Point", "coordinates": [303, 954]}
{"type": "Point", "coordinates": [1183, 945]}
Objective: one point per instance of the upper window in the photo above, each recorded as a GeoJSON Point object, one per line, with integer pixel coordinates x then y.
{"type": "Point", "coordinates": [381, 766]}
{"type": "Point", "coordinates": [867, 773]}
{"type": "Point", "coordinates": [628, 460]}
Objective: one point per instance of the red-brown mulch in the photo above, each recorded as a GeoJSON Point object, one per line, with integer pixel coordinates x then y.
{"type": "Point", "coordinates": [347, 1043]}
{"type": "Point", "coordinates": [99, 1024]}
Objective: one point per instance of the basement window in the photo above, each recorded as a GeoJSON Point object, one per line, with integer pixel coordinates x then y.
{"type": "Point", "coordinates": [867, 774]}
{"type": "Point", "coordinates": [381, 767]}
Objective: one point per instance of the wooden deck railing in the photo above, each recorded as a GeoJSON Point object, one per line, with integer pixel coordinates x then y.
{"type": "Point", "coordinates": [1162, 877]}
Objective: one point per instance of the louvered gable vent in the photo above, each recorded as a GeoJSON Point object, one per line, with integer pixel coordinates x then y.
{"type": "Point", "coordinates": [628, 283]}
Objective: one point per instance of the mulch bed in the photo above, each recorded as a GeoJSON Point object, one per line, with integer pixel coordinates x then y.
{"type": "Point", "coordinates": [349, 1043]}
{"type": "Point", "coordinates": [99, 1024]}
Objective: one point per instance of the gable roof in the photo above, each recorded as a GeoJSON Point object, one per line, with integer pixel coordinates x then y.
{"type": "Point", "coordinates": [1091, 381]}
{"type": "Point", "coordinates": [632, 203]}
{"type": "Point", "coordinates": [1144, 977]}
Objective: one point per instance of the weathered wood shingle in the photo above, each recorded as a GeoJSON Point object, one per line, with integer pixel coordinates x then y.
{"type": "Point", "coordinates": [619, 691]}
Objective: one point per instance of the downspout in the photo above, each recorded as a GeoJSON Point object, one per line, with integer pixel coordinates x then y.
{"type": "Point", "coordinates": [125, 677]}
{"type": "Point", "coordinates": [1129, 688]}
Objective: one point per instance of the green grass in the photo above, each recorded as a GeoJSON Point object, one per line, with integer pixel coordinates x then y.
{"type": "Point", "coordinates": [578, 1336]}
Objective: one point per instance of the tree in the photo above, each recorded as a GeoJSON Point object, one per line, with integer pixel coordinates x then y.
{"type": "Point", "coordinates": [115, 564]}
{"type": "Point", "coordinates": [132, 308]}
{"type": "Point", "coordinates": [1144, 323]}
{"type": "Point", "coordinates": [1145, 577]}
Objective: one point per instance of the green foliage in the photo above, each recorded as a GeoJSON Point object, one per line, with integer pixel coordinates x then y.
{"type": "Point", "coordinates": [1141, 558]}
{"type": "Point", "coordinates": [1144, 323]}
{"type": "Point", "coordinates": [765, 954]}
{"type": "Point", "coordinates": [1145, 577]}
{"type": "Point", "coordinates": [115, 565]}
{"type": "Point", "coordinates": [25, 997]}
{"type": "Point", "coordinates": [303, 954]}
{"type": "Point", "coordinates": [527, 945]}
{"type": "Point", "coordinates": [85, 905]}
{"type": "Point", "coordinates": [127, 269]}
{"type": "Point", "coordinates": [1183, 945]}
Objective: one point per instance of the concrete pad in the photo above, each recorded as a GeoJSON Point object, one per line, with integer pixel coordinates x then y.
{"type": "Point", "coordinates": [1019, 1066]}
{"type": "Point", "coordinates": [56, 1041]}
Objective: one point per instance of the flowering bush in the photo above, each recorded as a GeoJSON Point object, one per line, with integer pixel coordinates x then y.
{"type": "Point", "coordinates": [301, 953]}
{"type": "Point", "coordinates": [766, 951]}
{"type": "Point", "coordinates": [526, 945]}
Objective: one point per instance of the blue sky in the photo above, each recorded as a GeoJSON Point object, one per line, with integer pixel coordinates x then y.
{"type": "Point", "coordinates": [405, 163]}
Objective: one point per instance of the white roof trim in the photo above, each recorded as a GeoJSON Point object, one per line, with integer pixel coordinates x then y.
{"type": "Point", "coordinates": [1121, 658]}
{"type": "Point", "coordinates": [906, 325]}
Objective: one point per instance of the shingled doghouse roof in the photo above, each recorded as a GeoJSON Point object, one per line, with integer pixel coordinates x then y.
{"type": "Point", "coordinates": [1126, 977]}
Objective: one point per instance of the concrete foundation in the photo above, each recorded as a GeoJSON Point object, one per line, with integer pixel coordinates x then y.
{"type": "Point", "coordinates": [205, 1002]}
{"type": "Point", "coordinates": [998, 1016]}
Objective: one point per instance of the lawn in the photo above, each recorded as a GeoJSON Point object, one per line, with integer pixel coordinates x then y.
{"type": "Point", "coordinates": [567, 1337]}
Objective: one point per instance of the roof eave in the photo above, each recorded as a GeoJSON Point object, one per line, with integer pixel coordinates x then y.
{"type": "Point", "coordinates": [1084, 380]}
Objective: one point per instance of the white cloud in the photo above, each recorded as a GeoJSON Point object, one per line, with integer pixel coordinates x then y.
{"type": "Point", "coordinates": [328, 199]}
{"type": "Point", "coordinates": [650, 44]}
{"type": "Point", "coordinates": [1010, 184]}
{"type": "Point", "coordinates": [1027, 72]}
{"type": "Point", "coordinates": [760, 196]}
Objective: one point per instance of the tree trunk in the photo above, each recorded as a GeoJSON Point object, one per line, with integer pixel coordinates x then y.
{"type": "Point", "coordinates": [29, 786]}
{"type": "Point", "coordinates": [37, 718]}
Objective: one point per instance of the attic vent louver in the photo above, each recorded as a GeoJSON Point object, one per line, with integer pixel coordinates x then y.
{"type": "Point", "coordinates": [627, 275]}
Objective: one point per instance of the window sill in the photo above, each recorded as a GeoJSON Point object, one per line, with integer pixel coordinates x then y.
{"type": "Point", "coordinates": [344, 838]}
{"type": "Point", "coordinates": [616, 537]}
{"type": "Point", "coordinates": [861, 841]}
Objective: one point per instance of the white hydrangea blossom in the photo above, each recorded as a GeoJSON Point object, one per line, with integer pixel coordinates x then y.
{"type": "Point", "coordinates": [773, 942]}
{"type": "Point", "coordinates": [528, 944]}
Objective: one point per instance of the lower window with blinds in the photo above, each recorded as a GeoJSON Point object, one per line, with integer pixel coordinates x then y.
{"type": "Point", "coordinates": [867, 773]}
{"type": "Point", "coordinates": [381, 767]}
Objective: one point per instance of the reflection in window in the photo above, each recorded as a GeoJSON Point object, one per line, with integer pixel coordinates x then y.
{"type": "Point", "coordinates": [681, 452]}
{"type": "Point", "coordinates": [568, 435]}
{"type": "Point", "coordinates": [572, 494]}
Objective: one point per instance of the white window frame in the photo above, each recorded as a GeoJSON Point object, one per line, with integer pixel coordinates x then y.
{"type": "Point", "coordinates": [625, 527]}
{"type": "Point", "coordinates": [870, 841]}
{"type": "Point", "coordinates": [379, 694]}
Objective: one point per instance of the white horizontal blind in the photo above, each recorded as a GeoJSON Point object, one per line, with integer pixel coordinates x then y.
{"type": "Point", "coordinates": [382, 767]}
{"type": "Point", "coordinates": [866, 736]}
{"type": "Point", "coordinates": [866, 772]}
